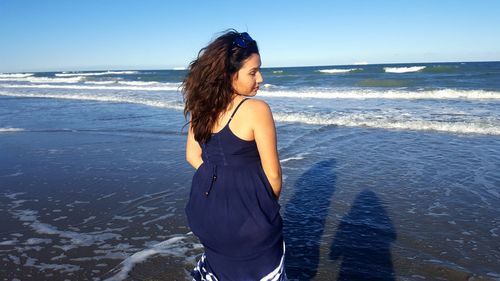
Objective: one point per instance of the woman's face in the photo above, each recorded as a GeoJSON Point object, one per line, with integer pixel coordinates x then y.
{"type": "Point", "coordinates": [247, 80]}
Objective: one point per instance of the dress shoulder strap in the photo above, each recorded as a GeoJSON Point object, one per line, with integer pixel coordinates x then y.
{"type": "Point", "coordinates": [231, 118]}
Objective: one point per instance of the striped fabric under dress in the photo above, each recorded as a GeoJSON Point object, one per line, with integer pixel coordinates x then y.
{"type": "Point", "coordinates": [201, 273]}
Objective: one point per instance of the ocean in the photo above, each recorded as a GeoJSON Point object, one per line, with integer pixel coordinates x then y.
{"type": "Point", "coordinates": [390, 172]}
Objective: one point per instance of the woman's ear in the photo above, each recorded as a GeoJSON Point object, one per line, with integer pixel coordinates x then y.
{"type": "Point", "coordinates": [234, 79]}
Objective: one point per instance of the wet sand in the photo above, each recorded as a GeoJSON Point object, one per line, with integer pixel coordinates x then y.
{"type": "Point", "coordinates": [107, 202]}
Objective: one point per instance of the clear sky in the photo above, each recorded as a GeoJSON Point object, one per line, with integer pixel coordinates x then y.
{"type": "Point", "coordinates": [44, 35]}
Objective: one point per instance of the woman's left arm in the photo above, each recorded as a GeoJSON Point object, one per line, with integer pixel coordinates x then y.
{"type": "Point", "coordinates": [265, 137]}
{"type": "Point", "coordinates": [193, 150]}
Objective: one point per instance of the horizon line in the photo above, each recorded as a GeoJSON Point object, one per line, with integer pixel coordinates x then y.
{"type": "Point", "coordinates": [132, 68]}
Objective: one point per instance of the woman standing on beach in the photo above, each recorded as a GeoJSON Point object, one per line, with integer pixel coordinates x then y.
{"type": "Point", "coordinates": [233, 205]}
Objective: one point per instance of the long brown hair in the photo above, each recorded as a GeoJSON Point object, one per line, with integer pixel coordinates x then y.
{"type": "Point", "coordinates": [207, 88]}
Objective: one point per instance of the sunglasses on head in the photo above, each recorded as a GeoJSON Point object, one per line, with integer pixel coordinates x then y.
{"type": "Point", "coordinates": [243, 40]}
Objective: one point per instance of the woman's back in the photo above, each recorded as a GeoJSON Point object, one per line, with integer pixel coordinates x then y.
{"type": "Point", "coordinates": [241, 124]}
{"type": "Point", "coordinates": [232, 209]}
{"type": "Point", "coordinates": [232, 144]}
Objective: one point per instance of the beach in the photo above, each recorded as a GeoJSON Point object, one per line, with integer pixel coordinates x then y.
{"type": "Point", "coordinates": [390, 173]}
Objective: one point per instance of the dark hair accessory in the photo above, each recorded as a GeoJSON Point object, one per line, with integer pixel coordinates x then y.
{"type": "Point", "coordinates": [243, 40]}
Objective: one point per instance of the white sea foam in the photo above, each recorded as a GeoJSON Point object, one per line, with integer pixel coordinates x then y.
{"type": "Point", "coordinates": [15, 75]}
{"type": "Point", "coordinates": [13, 196]}
{"type": "Point", "coordinates": [360, 63]}
{"type": "Point", "coordinates": [15, 260]}
{"type": "Point", "coordinates": [179, 68]}
{"type": "Point", "coordinates": [75, 238]}
{"type": "Point", "coordinates": [102, 98]}
{"type": "Point", "coordinates": [147, 209]}
{"type": "Point", "coordinates": [16, 174]}
{"type": "Point", "coordinates": [10, 130]}
{"type": "Point", "coordinates": [142, 83]}
{"type": "Point", "coordinates": [125, 218]}
{"type": "Point", "coordinates": [101, 82]}
{"type": "Point", "coordinates": [403, 69]}
{"type": "Point", "coordinates": [88, 219]}
{"type": "Point", "coordinates": [338, 70]}
{"type": "Point", "coordinates": [34, 241]}
{"type": "Point", "coordinates": [360, 120]}
{"type": "Point", "coordinates": [32, 79]}
{"type": "Point", "coordinates": [106, 196]}
{"type": "Point", "coordinates": [268, 86]}
{"type": "Point", "coordinates": [157, 87]}
{"type": "Point", "coordinates": [72, 205]}
{"type": "Point", "coordinates": [445, 94]}
{"type": "Point", "coordinates": [175, 246]}
{"type": "Point", "coordinates": [9, 242]}
{"type": "Point", "coordinates": [391, 121]}
{"type": "Point", "coordinates": [275, 91]}
{"type": "Point", "coordinates": [160, 218]}
{"type": "Point", "coordinates": [59, 267]}
{"type": "Point", "coordinates": [80, 239]}
{"type": "Point", "coordinates": [71, 239]}
{"type": "Point", "coordinates": [66, 74]}
{"type": "Point", "coordinates": [299, 156]}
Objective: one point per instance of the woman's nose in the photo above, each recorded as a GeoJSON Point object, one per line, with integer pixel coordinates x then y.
{"type": "Point", "coordinates": [260, 79]}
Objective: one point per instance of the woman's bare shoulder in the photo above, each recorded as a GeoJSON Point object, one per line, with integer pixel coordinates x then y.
{"type": "Point", "coordinates": [257, 106]}
{"type": "Point", "coordinates": [257, 113]}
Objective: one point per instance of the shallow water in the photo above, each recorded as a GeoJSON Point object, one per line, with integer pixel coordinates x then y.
{"type": "Point", "coordinates": [457, 98]}
{"type": "Point", "coordinates": [370, 203]}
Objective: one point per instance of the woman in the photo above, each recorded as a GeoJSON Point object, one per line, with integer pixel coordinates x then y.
{"type": "Point", "coordinates": [233, 206]}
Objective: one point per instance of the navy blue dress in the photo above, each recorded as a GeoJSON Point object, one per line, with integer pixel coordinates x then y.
{"type": "Point", "coordinates": [234, 213]}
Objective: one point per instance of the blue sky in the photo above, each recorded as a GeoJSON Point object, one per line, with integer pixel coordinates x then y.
{"type": "Point", "coordinates": [124, 34]}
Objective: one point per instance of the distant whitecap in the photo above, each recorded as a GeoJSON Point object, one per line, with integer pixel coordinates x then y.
{"type": "Point", "coordinates": [403, 69]}
{"type": "Point", "coordinates": [66, 74]}
{"type": "Point", "coordinates": [10, 130]}
{"type": "Point", "coordinates": [15, 75]}
{"type": "Point", "coordinates": [337, 70]}
{"type": "Point", "coordinates": [133, 86]}
{"type": "Point", "coordinates": [33, 79]}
